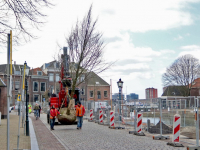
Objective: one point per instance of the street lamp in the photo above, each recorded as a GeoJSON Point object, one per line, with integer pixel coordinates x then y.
{"type": "Point", "coordinates": [27, 121]}
{"type": "Point", "coordinates": [120, 86]}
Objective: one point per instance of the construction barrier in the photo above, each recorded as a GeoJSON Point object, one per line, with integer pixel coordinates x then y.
{"type": "Point", "coordinates": [112, 119]}
{"type": "Point", "coordinates": [91, 115]}
{"type": "Point", "coordinates": [139, 122]}
{"type": "Point", "coordinates": [101, 116]}
{"type": "Point", "coordinates": [176, 132]}
{"type": "Point", "coordinates": [176, 128]}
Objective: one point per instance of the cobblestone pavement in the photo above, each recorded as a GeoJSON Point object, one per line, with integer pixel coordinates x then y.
{"type": "Point", "coordinates": [99, 137]}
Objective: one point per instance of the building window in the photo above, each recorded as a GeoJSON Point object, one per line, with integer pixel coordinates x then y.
{"type": "Point", "coordinates": [43, 86]}
{"type": "Point", "coordinates": [36, 98]}
{"type": "Point", "coordinates": [82, 78]}
{"type": "Point", "coordinates": [91, 94]}
{"type": "Point", "coordinates": [35, 86]}
{"type": "Point", "coordinates": [52, 89]}
{"type": "Point", "coordinates": [17, 85]}
{"type": "Point", "coordinates": [105, 93]}
{"type": "Point", "coordinates": [39, 73]}
{"type": "Point", "coordinates": [99, 94]}
{"type": "Point", "coordinates": [42, 98]}
{"type": "Point", "coordinates": [82, 91]}
{"type": "Point", "coordinates": [51, 77]}
{"type": "Point", "coordinates": [57, 77]}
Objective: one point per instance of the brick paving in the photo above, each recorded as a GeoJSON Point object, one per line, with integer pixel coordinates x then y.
{"type": "Point", "coordinates": [46, 140]}
{"type": "Point", "coordinates": [24, 141]}
{"type": "Point", "coordinates": [99, 137]}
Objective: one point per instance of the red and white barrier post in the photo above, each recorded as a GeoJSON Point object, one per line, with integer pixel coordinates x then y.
{"type": "Point", "coordinates": [139, 125]}
{"type": "Point", "coordinates": [112, 118]}
{"type": "Point", "coordinates": [101, 116]}
{"type": "Point", "coordinates": [176, 132]}
{"type": "Point", "coordinates": [176, 128]}
{"type": "Point", "coordinates": [139, 122]}
{"type": "Point", "coordinates": [91, 114]}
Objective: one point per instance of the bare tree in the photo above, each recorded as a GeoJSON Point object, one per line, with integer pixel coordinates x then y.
{"type": "Point", "coordinates": [182, 72]}
{"type": "Point", "coordinates": [21, 16]}
{"type": "Point", "coordinates": [85, 50]}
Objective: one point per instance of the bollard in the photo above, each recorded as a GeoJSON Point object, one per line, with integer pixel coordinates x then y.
{"type": "Point", "coordinates": [91, 115]}
{"type": "Point", "coordinates": [0, 118]}
{"type": "Point", "coordinates": [100, 116]}
{"type": "Point", "coordinates": [176, 132]}
{"type": "Point", "coordinates": [148, 125]}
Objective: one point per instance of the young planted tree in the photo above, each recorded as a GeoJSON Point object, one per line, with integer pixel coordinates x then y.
{"type": "Point", "coordinates": [85, 51]}
{"type": "Point", "coordinates": [21, 16]}
{"type": "Point", "coordinates": [182, 72]}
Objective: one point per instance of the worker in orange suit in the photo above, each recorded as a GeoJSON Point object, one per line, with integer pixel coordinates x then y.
{"type": "Point", "coordinates": [53, 114]}
{"type": "Point", "coordinates": [80, 111]}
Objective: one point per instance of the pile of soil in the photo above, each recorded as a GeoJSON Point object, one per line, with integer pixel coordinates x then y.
{"type": "Point", "coordinates": [156, 129]}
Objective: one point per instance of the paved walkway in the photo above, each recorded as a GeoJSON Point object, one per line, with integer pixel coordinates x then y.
{"type": "Point", "coordinates": [46, 140]}
{"type": "Point", "coordinates": [99, 137]}
{"type": "Point", "coordinates": [24, 141]}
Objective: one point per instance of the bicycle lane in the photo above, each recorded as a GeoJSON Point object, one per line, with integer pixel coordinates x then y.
{"type": "Point", "coordinates": [45, 139]}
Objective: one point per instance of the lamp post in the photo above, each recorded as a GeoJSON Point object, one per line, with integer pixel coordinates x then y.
{"type": "Point", "coordinates": [27, 121]}
{"type": "Point", "coordinates": [120, 86]}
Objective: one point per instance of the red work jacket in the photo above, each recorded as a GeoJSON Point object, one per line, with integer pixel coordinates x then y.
{"type": "Point", "coordinates": [53, 113]}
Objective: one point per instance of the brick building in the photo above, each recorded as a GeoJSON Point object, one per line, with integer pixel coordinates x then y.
{"type": "Point", "coordinates": [92, 83]}
{"type": "Point", "coordinates": [195, 90]}
{"type": "Point", "coordinates": [97, 88]}
{"type": "Point", "coordinates": [151, 93]}
{"type": "Point", "coordinates": [52, 70]}
{"type": "Point", "coordinates": [38, 83]}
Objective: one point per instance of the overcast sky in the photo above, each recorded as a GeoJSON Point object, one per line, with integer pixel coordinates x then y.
{"type": "Point", "coordinates": [143, 36]}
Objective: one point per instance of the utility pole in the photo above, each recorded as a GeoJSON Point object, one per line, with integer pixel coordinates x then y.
{"type": "Point", "coordinates": [8, 92]}
{"type": "Point", "coordinates": [27, 121]}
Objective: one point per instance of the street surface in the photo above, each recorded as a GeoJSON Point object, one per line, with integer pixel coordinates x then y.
{"type": "Point", "coordinates": [98, 137]}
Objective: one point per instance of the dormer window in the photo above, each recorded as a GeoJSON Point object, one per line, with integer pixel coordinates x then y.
{"type": "Point", "coordinates": [39, 73]}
